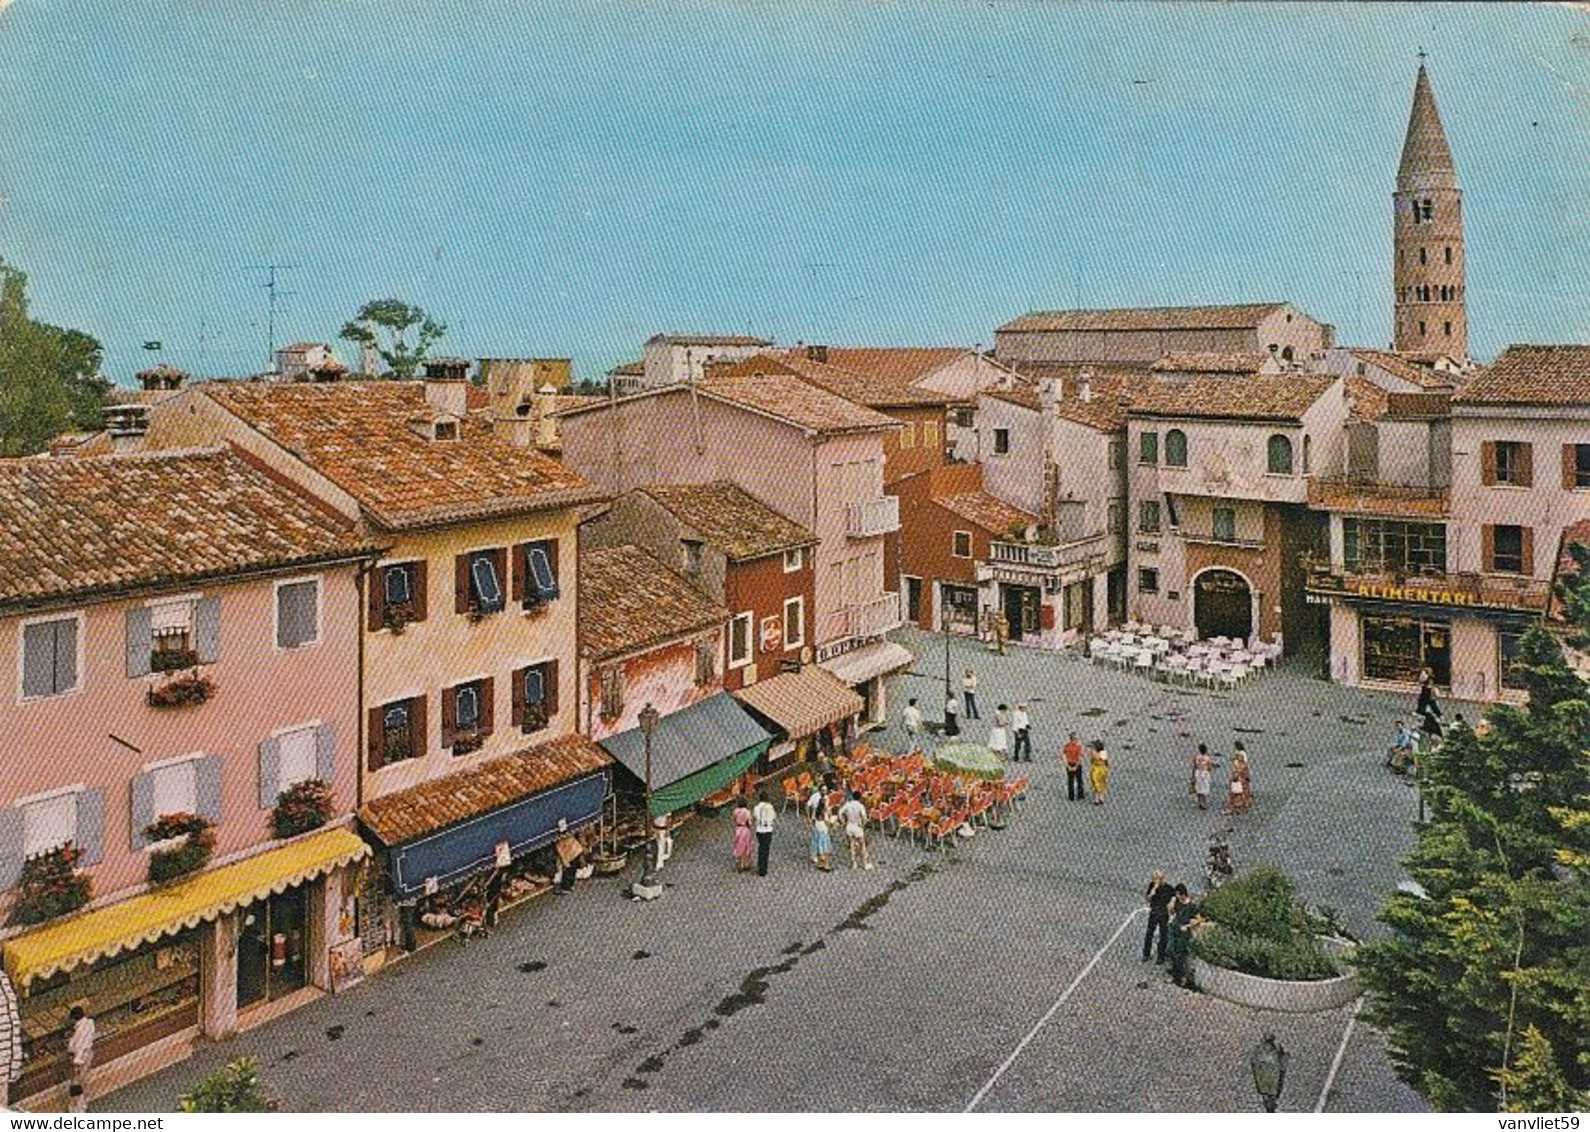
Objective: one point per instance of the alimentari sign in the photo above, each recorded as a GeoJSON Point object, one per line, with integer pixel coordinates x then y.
{"type": "Point", "coordinates": [1428, 595]}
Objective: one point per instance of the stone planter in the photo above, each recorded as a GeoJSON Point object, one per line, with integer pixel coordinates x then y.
{"type": "Point", "coordinates": [1285, 995]}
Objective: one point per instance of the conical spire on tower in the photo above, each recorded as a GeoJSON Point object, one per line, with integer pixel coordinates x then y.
{"type": "Point", "coordinates": [1426, 158]}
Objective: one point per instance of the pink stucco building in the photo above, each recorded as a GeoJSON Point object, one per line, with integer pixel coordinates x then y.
{"type": "Point", "coordinates": [181, 633]}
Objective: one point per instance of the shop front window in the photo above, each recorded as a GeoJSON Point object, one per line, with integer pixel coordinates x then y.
{"type": "Point", "coordinates": [271, 939]}
{"type": "Point", "coordinates": [1398, 649]}
{"type": "Point", "coordinates": [1388, 546]}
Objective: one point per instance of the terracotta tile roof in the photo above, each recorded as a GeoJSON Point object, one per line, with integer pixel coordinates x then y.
{"type": "Point", "coordinates": [1398, 366]}
{"type": "Point", "coordinates": [301, 347]}
{"type": "Point", "coordinates": [1231, 317]}
{"type": "Point", "coordinates": [357, 435]}
{"type": "Point", "coordinates": [903, 365]}
{"type": "Point", "coordinates": [1284, 397]}
{"type": "Point", "coordinates": [798, 402]}
{"type": "Point", "coordinates": [710, 340]}
{"type": "Point", "coordinates": [1109, 387]}
{"type": "Point", "coordinates": [1532, 375]}
{"type": "Point", "coordinates": [401, 817]}
{"type": "Point", "coordinates": [983, 510]}
{"type": "Point", "coordinates": [82, 526]}
{"type": "Point", "coordinates": [1203, 362]}
{"type": "Point", "coordinates": [1366, 401]}
{"type": "Point", "coordinates": [731, 519]}
{"type": "Point", "coordinates": [629, 600]}
{"type": "Point", "coordinates": [628, 369]}
{"type": "Point", "coordinates": [863, 389]}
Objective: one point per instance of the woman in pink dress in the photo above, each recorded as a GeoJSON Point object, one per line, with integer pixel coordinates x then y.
{"type": "Point", "coordinates": [744, 843]}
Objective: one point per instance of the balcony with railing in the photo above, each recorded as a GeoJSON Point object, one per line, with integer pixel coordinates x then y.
{"type": "Point", "coordinates": [1371, 497]}
{"type": "Point", "coordinates": [874, 517]}
{"type": "Point", "coordinates": [1215, 537]}
{"type": "Point", "coordinates": [1048, 556]}
{"type": "Point", "coordinates": [1427, 586]}
{"type": "Point", "coordinates": [873, 618]}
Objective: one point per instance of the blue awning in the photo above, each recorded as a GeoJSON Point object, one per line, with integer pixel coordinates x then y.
{"type": "Point", "coordinates": [471, 846]}
{"type": "Point", "coordinates": [688, 741]}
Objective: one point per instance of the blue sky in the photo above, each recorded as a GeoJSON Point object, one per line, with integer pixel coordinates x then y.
{"type": "Point", "coordinates": [568, 178]}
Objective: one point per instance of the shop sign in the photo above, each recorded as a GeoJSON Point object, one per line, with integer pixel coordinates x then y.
{"type": "Point", "coordinates": [1016, 577]}
{"type": "Point", "coordinates": [1428, 595]}
{"type": "Point", "coordinates": [839, 648]}
{"type": "Point", "coordinates": [504, 856]}
{"type": "Point", "coordinates": [772, 633]}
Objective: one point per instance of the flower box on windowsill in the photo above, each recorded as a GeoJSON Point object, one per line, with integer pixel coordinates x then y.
{"type": "Point", "coordinates": [468, 742]}
{"type": "Point", "coordinates": [396, 750]}
{"type": "Point", "coordinates": [397, 618]}
{"type": "Point", "coordinates": [180, 845]}
{"type": "Point", "coordinates": [173, 660]}
{"type": "Point", "coordinates": [180, 691]}
{"type": "Point", "coordinates": [535, 607]}
{"type": "Point", "coordinates": [50, 887]}
{"type": "Point", "coordinates": [301, 807]}
{"type": "Point", "coordinates": [478, 613]}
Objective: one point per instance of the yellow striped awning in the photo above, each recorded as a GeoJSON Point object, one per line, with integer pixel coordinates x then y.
{"type": "Point", "coordinates": [162, 912]}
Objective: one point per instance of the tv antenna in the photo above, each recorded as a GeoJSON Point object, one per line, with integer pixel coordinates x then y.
{"type": "Point", "coordinates": [274, 291]}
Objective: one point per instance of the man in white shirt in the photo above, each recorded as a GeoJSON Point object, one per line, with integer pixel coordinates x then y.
{"type": "Point", "coordinates": [912, 718]}
{"type": "Point", "coordinates": [969, 690]}
{"type": "Point", "coordinates": [81, 1045]}
{"type": "Point", "coordinates": [1022, 726]}
{"type": "Point", "coordinates": [762, 818]}
{"type": "Point", "coordinates": [854, 817]}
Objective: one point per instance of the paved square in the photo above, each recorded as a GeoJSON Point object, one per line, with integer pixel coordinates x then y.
{"type": "Point", "coordinates": [907, 987]}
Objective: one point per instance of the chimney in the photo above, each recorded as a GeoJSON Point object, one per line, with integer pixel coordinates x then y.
{"type": "Point", "coordinates": [547, 424]}
{"type": "Point", "coordinates": [127, 425]}
{"type": "Point", "coordinates": [161, 379]}
{"type": "Point", "coordinates": [369, 361]}
{"type": "Point", "coordinates": [817, 353]}
{"type": "Point", "coordinates": [1085, 388]}
{"type": "Point", "coordinates": [447, 385]}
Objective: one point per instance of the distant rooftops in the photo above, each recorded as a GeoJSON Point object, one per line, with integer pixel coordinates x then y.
{"type": "Point", "coordinates": [781, 397]}
{"type": "Point", "coordinates": [709, 340]}
{"type": "Point", "coordinates": [863, 389]}
{"type": "Point", "coordinates": [730, 518]}
{"type": "Point", "coordinates": [1283, 397]}
{"type": "Point", "coordinates": [629, 601]}
{"type": "Point", "coordinates": [1237, 316]}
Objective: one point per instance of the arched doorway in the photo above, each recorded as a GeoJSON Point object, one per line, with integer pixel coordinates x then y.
{"type": "Point", "coordinates": [1223, 605]}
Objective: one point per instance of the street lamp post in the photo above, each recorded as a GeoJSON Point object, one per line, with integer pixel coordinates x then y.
{"type": "Point", "coordinates": [1268, 1063]}
{"type": "Point", "coordinates": [648, 882]}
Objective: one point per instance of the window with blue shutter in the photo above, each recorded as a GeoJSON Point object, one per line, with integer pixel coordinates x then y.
{"type": "Point", "coordinates": [297, 614]}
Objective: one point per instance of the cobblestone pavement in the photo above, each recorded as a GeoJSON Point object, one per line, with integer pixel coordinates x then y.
{"type": "Point", "coordinates": [906, 987]}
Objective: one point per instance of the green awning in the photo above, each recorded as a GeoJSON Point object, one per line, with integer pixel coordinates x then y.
{"type": "Point", "coordinates": [695, 752]}
{"type": "Point", "coordinates": [685, 792]}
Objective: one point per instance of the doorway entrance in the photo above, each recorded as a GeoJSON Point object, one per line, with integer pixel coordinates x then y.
{"type": "Point", "coordinates": [1223, 605]}
{"type": "Point", "coordinates": [913, 600]}
{"type": "Point", "coordinates": [1022, 605]}
{"type": "Point", "coordinates": [271, 940]}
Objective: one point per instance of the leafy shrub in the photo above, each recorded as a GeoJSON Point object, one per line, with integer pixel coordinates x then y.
{"type": "Point", "coordinates": [51, 886]}
{"type": "Point", "coordinates": [197, 847]}
{"type": "Point", "coordinates": [1259, 927]}
{"type": "Point", "coordinates": [1260, 903]}
{"type": "Point", "coordinates": [1297, 957]}
{"type": "Point", "coordinates": [235, 1087]}
{"type": "Point", "coordinates": [301, 807]}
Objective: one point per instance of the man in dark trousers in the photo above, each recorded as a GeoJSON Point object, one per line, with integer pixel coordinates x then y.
{"type": "Point", "coordinates": [762, 818]}
{"type": "Point", "coordinates": [1072, 752]}
{"type": "Point", "coordinates": [1183, 919]}
{"type": "Point", "coordinates": [1159, 896]}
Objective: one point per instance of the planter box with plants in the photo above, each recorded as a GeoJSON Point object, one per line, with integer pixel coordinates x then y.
{"type": "Point", "coordinates": [51, 886]}
{"type": "Point", "coordinates": [180, 691]}
{"type": "Point", "coordinates": [186, 844]}
{"type": "Point", "coordinates": [300, 808]}
{"type": "Point", "coordinates": [173, 660]}
{"type": "Point", "coordinates": [1260, 946]}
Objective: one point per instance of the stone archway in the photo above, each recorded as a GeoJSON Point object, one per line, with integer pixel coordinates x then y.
{"type": "Point", "coordinates": [1223, 604]}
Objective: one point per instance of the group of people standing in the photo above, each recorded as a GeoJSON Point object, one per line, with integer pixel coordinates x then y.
{"type": "Point", "coordinates": [1173, 916]}
{"type": "Point", "coordinates": [1098, 768]}
{"type": "Point", "coordinates": [1009, 734]}
{"type": "Point", "coordinates": [760, 820]}
{"type": "Point", "coordinates": [1239, 778]}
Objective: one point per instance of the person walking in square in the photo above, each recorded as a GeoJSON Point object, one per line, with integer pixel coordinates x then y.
{"type": "Point", "coordinates": [999, 734]}
{"type": "Point", "coordinates": [952, 718]}
{"type": "Point", "coordinates": [1099, 771]}
{"type": "Point", "coordinates": [744, 839]}
{"type": "Point", "coordinates": [1183, 922]}
{"type": "Point", "coordinates": [1021, 725]}
{"type": "Point", "coordinates": [1241, 780]}
{"type": "Point", "coordinates": [853, 814]}
{"type": "Point", "coordinates": [969, 691]}
{"type": "Point", "coordinates": [80, 1045]}
{"type": "Point", "coordinates": [1203, 770]}
{"type": "Point", "coordinates": [911, 719]}
{"type": "Point", "coordinates": [763, 817]}
{"type": "Point", "coordinates": [1159, 895]}
{"type": "Point", "coordinates": [1072, 754]}
{"type": "Point", "coordinates": [822, 841]}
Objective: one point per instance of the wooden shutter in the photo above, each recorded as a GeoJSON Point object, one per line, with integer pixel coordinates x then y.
{"type": "Point", "coordinates": [326, 753]}
{"type": "Point", "coordinates": [65, 653]}
{"type": "Point", "coordinates": [141, 808]}
{"type": "Point", "coordinates": [461, 584]}
{"type": "Point", "coordinates": [38, 659]}
{"type": "Point", "coordinates": [516, 694]}
{"type": "Point", "coordinates": [375, 739]}
{"type": "Point", "coordinates": [207, 629]}
{"type": "Point", "coordinates": [207, 787]}
{"type": "Point", "coordinates": [420, 599]}
{"type": "Point", "coordinates": [91, 825]}
{"type": "Point", "coordinates": [421, 743]}
{"type": "Point", "coordinates": [270, 772]}
{"type": "Point", "coordinates": [499, 558]}
{"type": "Point", "coordinates": [1528, 543]}
{"type": "Point", "coordinates": [519, 587]}
{"type": "Point", "coordinates": [449, 716]}
{"type": "Point", "coordinates": [551, 546]}
{"type": "Point", "coordinates": [1570, 466]}
{"type": "Point", "coordinates": [10, 847]}
{"type": "Point", "coordinates": [488, 705]}
{"type": "Point", "coordinates": [551, 669]}
{"type": "Point", "coordinates": [1487, 548]}
{"type": "Point", "coordinates": [1526, 465]}
{"type": "Point", "coordinates": [1488, 463]}
{"type": "Point", "coordinates": [140, 641]}
{"type": "Point", "coordinates": [376, 580]}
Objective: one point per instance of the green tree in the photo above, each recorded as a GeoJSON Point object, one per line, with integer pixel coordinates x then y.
{"type": "Point", "coordinates": [385, 326]}
{"type": "Point", "coordinates": [49, 377]}
{"type": "Point", "coordinates": [235, 1087]}
{"type": "Point", "coordinates": [1483, 985]}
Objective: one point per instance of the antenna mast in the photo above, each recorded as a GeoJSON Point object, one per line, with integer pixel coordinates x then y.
{"type": "Point", "coordinates": [274, 291]}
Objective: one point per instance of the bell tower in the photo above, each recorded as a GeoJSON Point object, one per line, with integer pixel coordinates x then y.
{"type": "Point", "coordinates": [1429, 301]}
